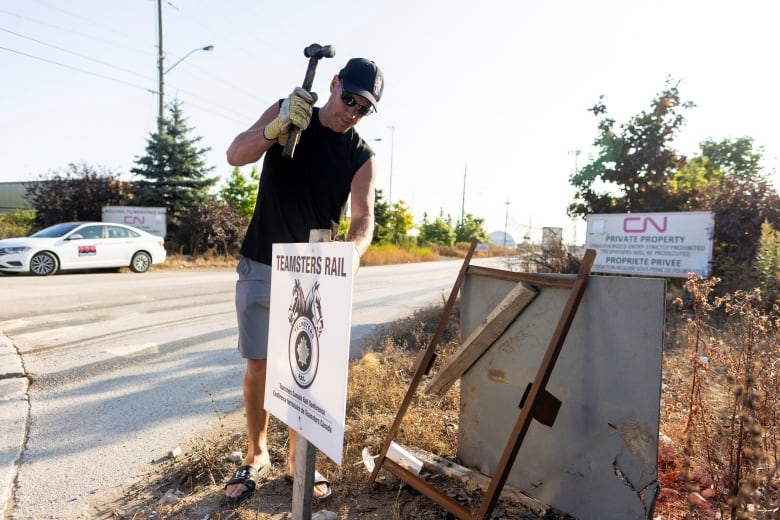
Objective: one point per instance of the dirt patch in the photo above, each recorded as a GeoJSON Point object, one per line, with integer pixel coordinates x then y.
{"type": "Point", "coordinates": [200, 497]}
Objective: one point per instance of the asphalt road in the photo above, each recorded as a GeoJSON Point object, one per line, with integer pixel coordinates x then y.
{"type": "Point", "coordinates": [104, 373]}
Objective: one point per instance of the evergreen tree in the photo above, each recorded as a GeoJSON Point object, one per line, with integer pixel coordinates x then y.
{"type": "Point", "coordinates": [382, 231]}
{"type": "Point", "coordinates": [173, 173]}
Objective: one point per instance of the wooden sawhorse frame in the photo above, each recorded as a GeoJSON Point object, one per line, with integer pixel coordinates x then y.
{"type": "Point", "coordinates": [537, 403]}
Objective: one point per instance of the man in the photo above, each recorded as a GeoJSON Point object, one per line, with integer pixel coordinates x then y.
{"type": "Point", "coordinates": [308, 192]}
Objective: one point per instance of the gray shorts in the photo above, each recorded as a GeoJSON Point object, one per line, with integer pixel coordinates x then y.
{"type": "Point", "coordinates": [253, 304]}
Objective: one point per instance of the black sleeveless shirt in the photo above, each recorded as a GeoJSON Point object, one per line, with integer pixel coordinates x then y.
{"type": "Point", "coordinates": [306, 192]}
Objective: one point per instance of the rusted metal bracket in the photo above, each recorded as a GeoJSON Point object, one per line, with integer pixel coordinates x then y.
{"type": "Point", "coordinates": [547, 406]}
{"type": "Point", "coordinates": [536, 403]}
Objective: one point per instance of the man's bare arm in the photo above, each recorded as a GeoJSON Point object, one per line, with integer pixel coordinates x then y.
{"type": "Point", "coordinates": [361, 225]}
{"type": "Point", "coordinates": [250, 145]}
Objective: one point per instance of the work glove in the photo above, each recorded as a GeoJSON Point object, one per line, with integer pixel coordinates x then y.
{"type": "Point", "coordinates": [296, 110]}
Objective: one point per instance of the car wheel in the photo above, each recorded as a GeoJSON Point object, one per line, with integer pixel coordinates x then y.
{"type": "Point", "coordinates": [44, 264]}
{"type": "Point", "coordinates": [140, 262]}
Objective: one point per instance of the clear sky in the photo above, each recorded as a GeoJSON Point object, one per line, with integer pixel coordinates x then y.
{"type": "Point", "coordinates": [493, 93]}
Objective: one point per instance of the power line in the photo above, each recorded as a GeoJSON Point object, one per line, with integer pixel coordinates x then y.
{"type": "Point", "coordinates": [221, 111]}
{"type": "Point", "coordinates": [75, 53]}
{"type": "Point", "coordinates": [67, 30]}
{"type": "Point", "coordinates": [77, 69]}
{"type": "Point", "coordinates": [204, 73]}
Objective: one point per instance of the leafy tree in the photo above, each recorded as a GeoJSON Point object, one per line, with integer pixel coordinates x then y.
{"type": "Point", "coordinates": [635, 164]}
{"type": "Point", "coordinates": [691, 179]}
{"type": "Point", "coordinates": [399, 222]}
{"type": "Point", "coordinates": [736, 156]}
{"type": "Point", "coordinates": [240, 192]}
{"type": "Point", "coordinates": [471, 228]}
{"type": "Point", "coordinates": [173, 173]}
{"type": "Point", "coordinates": [78, 192]}
{"type": "Point", "coordinates": [716, 161]}
{"type": "Point", "coordinates": [437, 232]}
{"type": "Point", "coordinates": [212, 226]}
{"type": "Point", "coordinates": [727, 179]}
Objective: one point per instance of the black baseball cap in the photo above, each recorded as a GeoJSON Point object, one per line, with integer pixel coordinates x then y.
{"type": "Point", "coordinates": [362, 77]}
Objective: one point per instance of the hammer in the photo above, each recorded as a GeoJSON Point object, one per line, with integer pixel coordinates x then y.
{"type": "Point", "coordinates": [314, 52]}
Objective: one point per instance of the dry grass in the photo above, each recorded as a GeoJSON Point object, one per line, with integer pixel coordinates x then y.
{"type": "Point", "coordinates": [720, 451]}
{"type": "Point", "coordinates": [205, 261]}
{"type": "Point", "coordinates": [385, 254]}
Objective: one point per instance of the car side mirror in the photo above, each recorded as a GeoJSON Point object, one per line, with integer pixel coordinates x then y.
{"type": "Point", "coordinates": [76, 236]}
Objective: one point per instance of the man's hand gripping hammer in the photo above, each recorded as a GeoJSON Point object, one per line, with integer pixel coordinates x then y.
{"type": "Point", "coordinates": [314, 52]}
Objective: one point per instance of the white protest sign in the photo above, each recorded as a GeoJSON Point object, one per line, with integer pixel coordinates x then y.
{"type": "Point", "coordinates": [308, 340]}
{"type": "Point", "coordinates": [656, 244]}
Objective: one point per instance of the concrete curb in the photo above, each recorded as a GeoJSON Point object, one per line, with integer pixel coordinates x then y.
{"type": "Point", "coordinates": [14, 410]}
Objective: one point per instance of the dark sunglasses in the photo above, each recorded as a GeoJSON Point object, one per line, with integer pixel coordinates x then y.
{"type": "Point", "coordinates": [350, 101]}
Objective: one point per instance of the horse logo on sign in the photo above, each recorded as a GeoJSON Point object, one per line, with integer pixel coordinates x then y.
{"type": "Point", "coordinates": [306, 324]}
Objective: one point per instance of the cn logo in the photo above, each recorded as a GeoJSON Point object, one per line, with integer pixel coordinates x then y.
{"type": "Point", "coordinates": [640, 224]}
{"type": "Point", "coordinates": [133, 219]}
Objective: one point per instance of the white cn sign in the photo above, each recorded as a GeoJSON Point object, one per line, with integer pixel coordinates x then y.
{"type": "Point", "coordinates": [308, 340]}
{"type": "Point", "coordinates": [656, 244]}
{"type": "Point", "coordinates": [151, 220]}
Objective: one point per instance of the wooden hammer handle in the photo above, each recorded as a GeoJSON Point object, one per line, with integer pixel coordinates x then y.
{"type": "Point", "coordinates": [295, 132]}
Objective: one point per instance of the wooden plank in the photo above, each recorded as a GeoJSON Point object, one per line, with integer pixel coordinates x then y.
{"type": "Point", "coordinates": [459, 510]}
{"type": "Point", "coordinates": [535, 279]}
{"type": "Point", "coordinates": [482, 338]}
{"type": "Point", "coordinates": [475, 480]}
{"type": "Point", "coordinates": [303, 480]}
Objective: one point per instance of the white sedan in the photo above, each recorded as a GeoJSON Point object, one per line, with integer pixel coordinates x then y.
{"type": "Point", "coordinates": [81, 245]}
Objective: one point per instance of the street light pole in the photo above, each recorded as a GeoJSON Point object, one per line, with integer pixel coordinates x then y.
{"type": "Point", "coordinates": [206, 48]}
{"type": "Point", "coordinates": [162, 71]}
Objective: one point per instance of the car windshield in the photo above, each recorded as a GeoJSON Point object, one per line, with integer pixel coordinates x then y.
{"type": "Point", "coordinates": [56, 230]}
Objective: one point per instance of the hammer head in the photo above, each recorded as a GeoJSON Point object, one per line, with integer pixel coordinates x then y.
{"type": "Point", "coordinates": [319, 51]}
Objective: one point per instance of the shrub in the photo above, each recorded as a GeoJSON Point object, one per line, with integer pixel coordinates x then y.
{"type": "Point", "coordinates": [20, 223]}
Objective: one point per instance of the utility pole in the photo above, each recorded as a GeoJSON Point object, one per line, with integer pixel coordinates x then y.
{"type": "Point", "coordinates": [463, 200]}
{"type": "Point", "coordinates": [160, 68]}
